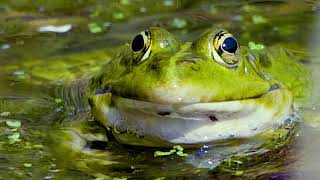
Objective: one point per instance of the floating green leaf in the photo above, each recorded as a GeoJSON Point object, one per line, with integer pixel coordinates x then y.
{"type": "Point", "coordinates": [5, 114]}
{"type": "Point", "coordinates": [27, 165]}
{"type": "Point", "coordinates": [118, 15]}
{"type": "Point", "coordinates": [238, 173]}
{"type": "Point", "coordinates": [182, 154]}
{"type": "Point", "coordinates": [254, 46]}
{"type": "Point", "coordinates": [94, 28]}
{"type": "Point", "coordinates": [13, 123]}
{"type": "Point", "coordinates": [179, 23]}
{"type": "Point", "coordinates": [38, 146]}
{"type": "Point", "coordinates": [124, 2]}
{"type": "Point", "coordinates": [178, 147]}
{"type": "Point", "coordinates": [15, 137]}
{"type": "Point", "coordinates": [58, 101]}
{"type": "Point", "coordinates": [257, 19]}
{"type": "Point", "coordinates": [163, 153]}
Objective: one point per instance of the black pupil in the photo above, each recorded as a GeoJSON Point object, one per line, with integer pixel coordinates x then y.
{"type": "Point", "coordinates": [230, 45]}
{"type": "Point", "coordinates": [137, 43]}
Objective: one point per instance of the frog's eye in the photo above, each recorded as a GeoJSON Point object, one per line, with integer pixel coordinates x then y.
{"type": "Point", "coordinates": [225, 49]}
{"type": "Point", "coordinates": [137, 43]}
{"type": "Point", "coordinates": [229, 45]}
{"type": "Point", "coordinates": [140, 45]}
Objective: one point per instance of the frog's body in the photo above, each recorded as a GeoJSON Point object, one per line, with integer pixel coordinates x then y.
{"type": "Point", "coordinates": [159, 92]}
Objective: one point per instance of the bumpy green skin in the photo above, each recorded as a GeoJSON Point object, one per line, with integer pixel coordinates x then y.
{"type": "Point", "coordinates": [178, 73]}
{"type": "Point", "coordinates": [279, 64]}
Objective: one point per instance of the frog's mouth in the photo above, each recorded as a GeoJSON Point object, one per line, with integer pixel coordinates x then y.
{"type": "Point", "coordinates": [198, 122]}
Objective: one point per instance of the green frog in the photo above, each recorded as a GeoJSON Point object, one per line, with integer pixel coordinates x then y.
{"type": "Point", "coordinates": [158, 91]}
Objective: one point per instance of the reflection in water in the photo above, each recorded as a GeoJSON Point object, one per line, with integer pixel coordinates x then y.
{"type": "Point", "coordinates": [310, 145]}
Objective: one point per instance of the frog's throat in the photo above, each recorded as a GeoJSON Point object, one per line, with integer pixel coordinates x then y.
{"type": "Point", "coordinates": [198, 122]}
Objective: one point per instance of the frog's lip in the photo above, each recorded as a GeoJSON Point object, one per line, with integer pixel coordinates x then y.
{"type": "Point", "coordinates": [163, 99]}
{"type": "Point", "coordinates": [201, 122]}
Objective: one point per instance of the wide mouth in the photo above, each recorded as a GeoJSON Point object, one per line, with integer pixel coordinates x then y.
{"type": "Point", "coordinates": [219, 103]}
{"type": "Point", "coordinates": [201, 122]}
{"type": "Point", "coordinates": [213, 111]}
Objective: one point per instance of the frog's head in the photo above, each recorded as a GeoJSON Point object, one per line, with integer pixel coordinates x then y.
{"type": "Point", "coordinates": [166, 82]}
{"type": "Point", "coordinates": [211, 69]}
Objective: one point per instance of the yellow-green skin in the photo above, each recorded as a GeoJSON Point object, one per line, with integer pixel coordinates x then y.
{"type": "Point", "coordinates": [178, 73]}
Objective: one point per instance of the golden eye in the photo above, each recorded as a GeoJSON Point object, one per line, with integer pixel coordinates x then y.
{"type": "Point", "coordinates": [225, 49]}
{"type": "Point", "coordinates": [140, 45]}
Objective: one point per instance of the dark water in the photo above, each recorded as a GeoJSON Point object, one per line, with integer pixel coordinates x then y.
{"type": "Point", "coordinates": [42, 76]}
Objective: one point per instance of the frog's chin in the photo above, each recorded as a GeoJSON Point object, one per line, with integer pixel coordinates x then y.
{"type": "Point", "coordinates": [144, 123]}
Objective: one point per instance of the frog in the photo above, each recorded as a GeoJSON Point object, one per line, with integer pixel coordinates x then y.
{"type": "Point", "coordinates": [157, 91]}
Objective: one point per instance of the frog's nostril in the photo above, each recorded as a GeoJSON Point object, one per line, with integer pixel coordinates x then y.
{"type": "Point", "coordinates": [274, 87]}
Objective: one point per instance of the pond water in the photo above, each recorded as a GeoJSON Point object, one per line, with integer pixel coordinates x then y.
{"type": "Point", "coordinates": [43, 72]}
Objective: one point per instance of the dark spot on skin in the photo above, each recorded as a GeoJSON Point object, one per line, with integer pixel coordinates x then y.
{"type": "Point", "coordinates": [154, 65]}
{"type": "Point", "coordinates": [304, 60]}
{"type": "Point", "coordinates": [194, 68]}
{"type": "Point", "coordinates": [101, 145]}
{"type": "Point", "coordinates": [219, 51]}
{"type": "Point", "coordinates": [213, 118]}
{"type": "Point", "coordinates": [264, 60]}
{"type": "Point", "coordinates": [164, 113]}
{"type": "Point", "coordinates": [221, 33]}
{"type": "Point", "coordinates": [146, 33]}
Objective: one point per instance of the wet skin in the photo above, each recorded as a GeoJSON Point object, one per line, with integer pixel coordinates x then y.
{"type": "Point", "coordinates": [158, 91]}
